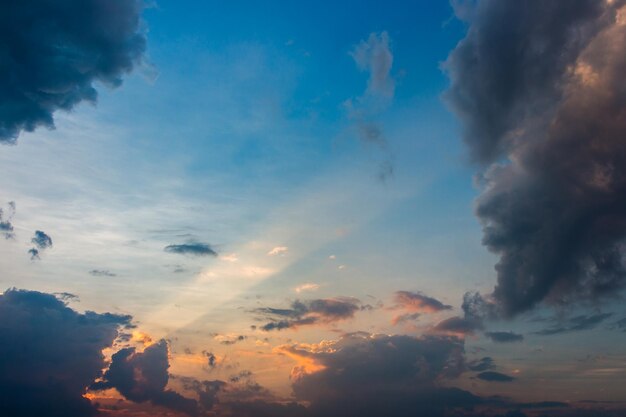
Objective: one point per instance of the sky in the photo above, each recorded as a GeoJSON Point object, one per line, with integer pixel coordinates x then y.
{"type": "Point", "coordinates": [400, 208]}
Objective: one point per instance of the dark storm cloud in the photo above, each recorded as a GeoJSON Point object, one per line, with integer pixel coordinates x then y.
{"type": "Point", "coordinates": [6, 227]}
{"type": "Point", "coordinates": [52, 52]}
{"type": "Point", "coordinates": [492, 376]}
{"type": "Point", "coordinates": [539, 89]}
{"type": "Point", "coordinates": [305, 313]}
{"type": "Point", "coordinates": [49, 354]}
{"type": "Point", "coordinates": [194, 249]}
{"type": "Point", "coordinates": [576, 324]}
{"type": "Point", "coordinates": [142, 376]}
{"type": "Point", "coordinates": [381, 375]}
{"type": "Point", "coordinates": [504, 337]}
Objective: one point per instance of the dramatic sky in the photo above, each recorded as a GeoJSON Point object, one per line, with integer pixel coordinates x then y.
{"type": "Point", "coordinates": [307, 209]}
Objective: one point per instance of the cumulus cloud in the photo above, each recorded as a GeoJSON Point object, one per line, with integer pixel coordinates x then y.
{"type": "Point", "coordinates": [54, 51]}
{"type": "Point", "coordinates": [143, 376]}
{"type": "Point", "coordinates": [367, 375]}
{"type": "Point", "coordinates": [504, 337]}
{"type": "Point", "coordinates": [311, 312]}
{"type": "Point", "coordinates": [538, 88]}
{"type": "Point", "coordinates": [193, 249]}
{"type": "Point", "coordinates": [50, 354]}
{"type": "Point", "coordinates": [6, 227]}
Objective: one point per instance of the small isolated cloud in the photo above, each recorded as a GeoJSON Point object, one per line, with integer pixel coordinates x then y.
{"type": "Point", "coordinates": [42, 242]}
{"type": "Point", "coordinates": [6, 227]}
{"type": "Point", "coordinates": [492, 376]}
{"type": "Point", "coordinates": [229, 339]}
{"type": "Point", "coordinates": [278, 250]}
{"type": "Point", "coordinates": [459, 326]}
{"type": "Point", "coordinates": [480, 365]}
{"type": "Point", "coordinates": [312, 312]}
{"type": "Point", "coordinates": [229, 257]}
{"type": "Point", "coordinates": [192, 249]}
{"type": "Point", "coordinates": [575, 324]}
{"type": "Point", "coordinates": [504, 337]}
{"type": "Point", "coordinates": [102, 273]}
{"type": "Point", "coordinates": [309, 286]}
{"type": "Point", "coordinates": [53, 52]}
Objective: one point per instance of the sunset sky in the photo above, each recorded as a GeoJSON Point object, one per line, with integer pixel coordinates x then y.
{"type": "Point", "coordinates": [354, 208]}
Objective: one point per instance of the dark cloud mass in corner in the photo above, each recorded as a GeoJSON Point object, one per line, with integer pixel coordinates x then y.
{"type": "Point", "coordinates": [52, 52]}
{"type": "Point", "coordinates": [194, 249]}
{"type": "Point", "coordinates": [538, 87]}
{"type": "Point", "coordinates": [50, 354]}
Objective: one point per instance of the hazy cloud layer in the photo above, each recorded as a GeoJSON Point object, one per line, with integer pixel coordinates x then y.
{"type": "Point", "coordinates": [52, 53]}
{"type": "Point", "coordinates": [504, 337]}
{"type": "Point", "coordinates": [49, 354]}
{"type": "Point", "coordinates": [538, 85]}
{"type": "Point", "coordinates": [575, 324]}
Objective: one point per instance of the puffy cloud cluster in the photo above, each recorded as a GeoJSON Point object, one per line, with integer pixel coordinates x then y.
{"type": "Point", "coordinates": [539, 89]}
{"type": "Point", "coordinates": [52, 52]}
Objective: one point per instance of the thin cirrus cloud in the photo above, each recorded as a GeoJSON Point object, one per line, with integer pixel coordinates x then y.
{"type": "Point", "coordinates": [68, 46]}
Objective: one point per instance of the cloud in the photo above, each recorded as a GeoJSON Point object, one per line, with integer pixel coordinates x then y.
{"type": "Point", "coordinates": [6, 227]}
{"type": "Point", "coordinates": [53, 52]}
{"type": "Point", "coordinates": [50, 354]}
{"type": "Point", "coordinates": [458, 326]}
{"type": "Point", "coordinates": [492, 376]}
{"type": "Point", "coordinates": [309, 286]}
{"type": "Point", "coordinates": [538, 87]}
{"type": "Point", "coordinates": [42, 242]}
{"type": "Point", "coordinates": [504, 337]}
{"type": "Point", "coordinates": [481, 365]}
{"type": "Point", "coordinates": [278, 250]}
{"type": "Point", "coordinates": [194, 249]}
{"type": "Point", "coordinates": [374, 375]}
{"type": "Point", "coordinates": [102, 273]}
{"type": "Point", "coordinates": [416, 303]}
{"type": "Point", "coordinates": [375, 57]}
{"type": "Point", "coordinates": [576, 324]}
{"type": "Point", "coordinates": [142, 376]}
{"type": "Point", "coordinates": [312, 312]}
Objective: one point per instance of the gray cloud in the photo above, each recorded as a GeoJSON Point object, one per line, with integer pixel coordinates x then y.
{"type": "Point", "coordinates": [143, 376]}
{"type": "Point", "coordinates": [306, 313]}
{"type": "Point", "coordinates": [538, 88]}
{"type": "Point", "coordinates": [481, 365]}
{"type": "Point", "coordinates": [504, 337]}
{"type": "Point", "coordinates": [576, 324]}
{"type": "Point", "coordinates": [49, 354]}
{"type": "Point", "coordinates": [492, 376]}
{"type": "Point", "coordinates": [6, 227]}
{"type": "Point", "coordinates": [375, 57]}
{"type": "Point", "coordinates": [42, 242]}
{"type": "Point", "coordinates": [194, 249]}
{"type": "Point", "coordinates": [102, 273]}
{"type": "Point", "coordinates": [52, 52]}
